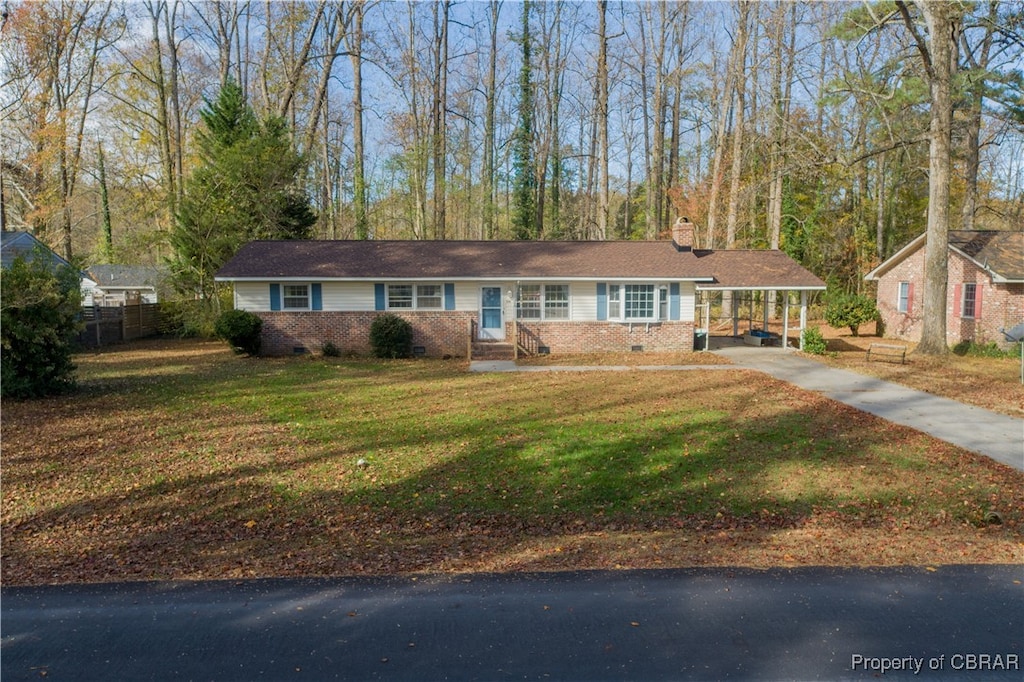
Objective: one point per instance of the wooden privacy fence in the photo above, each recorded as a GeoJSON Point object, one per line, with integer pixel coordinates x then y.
{"type": "Point", "coordinates": [105, 325]}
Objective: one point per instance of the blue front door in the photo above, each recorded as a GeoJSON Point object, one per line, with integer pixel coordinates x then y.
{"type": "Point", "coordinates": [492, 322]}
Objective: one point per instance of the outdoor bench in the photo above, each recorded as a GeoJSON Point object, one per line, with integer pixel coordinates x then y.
{"type": "Point", "coordinates": [887, 351]}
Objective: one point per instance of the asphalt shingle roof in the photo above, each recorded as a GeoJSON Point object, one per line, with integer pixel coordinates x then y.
{"type": "Point", "coordinates": [126, 275]}
{"type": "Point", "coordinates": [1000, 251]}
{"type": "Point", "coordinates": [315, 259]}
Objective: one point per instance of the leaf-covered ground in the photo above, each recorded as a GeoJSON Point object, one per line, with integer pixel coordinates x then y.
{"type": "Point", "coordinates": [178, 460]}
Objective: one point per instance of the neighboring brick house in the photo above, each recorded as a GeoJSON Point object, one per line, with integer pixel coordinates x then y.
{"type": "Point", "coordinates": [985, 292]}
{"type": "Point", "coordinates": [562, 297]}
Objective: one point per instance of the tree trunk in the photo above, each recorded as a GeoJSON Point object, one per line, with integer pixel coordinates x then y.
{"type": "Point", "coordinates": [490, 97]}
{"type": "Point", "coordinates": [938, 54]}
{"type": "Point", "coordinates": [732, 211]}
{"type": "Point", "coordinates": [362, 228]}
{"type": "Point", "coordinates": [439, 116]}
{"type": "Point", "coordinates": [602, 119]}
{"type": "Point", "coordinates": [978, 61]}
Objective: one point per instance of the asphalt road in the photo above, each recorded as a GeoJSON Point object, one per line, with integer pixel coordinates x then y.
{"type": "Point", "coordinates": [951, 622]}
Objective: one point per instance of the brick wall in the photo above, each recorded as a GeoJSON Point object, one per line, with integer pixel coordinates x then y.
{"type": "Point", "coordinates": [1002, 306]}
{"type": "Point", "coordinates": [441, 333]}
{"type": "Point", "coordinates": [597, 337]}
{"type": "Point", "coordinates": [446, 333]}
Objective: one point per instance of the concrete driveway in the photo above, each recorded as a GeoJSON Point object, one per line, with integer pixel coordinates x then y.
{"type": "Point", "coordinates": [988, 433]}
{"type": "Point", "coordinates": [995, 435]}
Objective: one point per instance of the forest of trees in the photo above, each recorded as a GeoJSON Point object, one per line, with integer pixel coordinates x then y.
{"type": "Point", "coordinates": [804, 126]}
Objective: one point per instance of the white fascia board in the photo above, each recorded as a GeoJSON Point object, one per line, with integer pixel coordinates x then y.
{"type": "Point", "coordinates": [509, 278]}
{"type": "Point", "coordinates": [773, 287]}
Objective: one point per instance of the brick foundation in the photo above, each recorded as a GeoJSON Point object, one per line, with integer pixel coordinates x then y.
{"type": "Point", "coordinates": [446, 333]}
{"type": "Point", "coordinates": [604, 337]}
{"type": "Point", "coordinates": [440, 333]}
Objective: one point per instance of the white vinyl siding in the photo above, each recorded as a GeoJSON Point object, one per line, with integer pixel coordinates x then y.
{"type": "Point", "coordinates": [687, 301]}
{"type": "Point", "coordinates": [348, 296]}
{"type": "Point", "coordinates": [359, 297]}
{"type": "Point", "coordinates": [252, 296]}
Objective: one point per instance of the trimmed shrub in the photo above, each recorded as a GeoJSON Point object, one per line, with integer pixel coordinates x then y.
{"type": "Point", "coordinates": [982, 350]}
{"type": "Point", "coordinates": [850, 310]}
{"type": "Point", "coordinates": [41, 306]}
{"type": "Point", "coordinates": [391, 337]}
{"type": "Point", "coordinates": [330, 350]}
{"type": "Point", "coordinates": [814, 342]}
{"type": "Point", "coordinates": [241, 329]}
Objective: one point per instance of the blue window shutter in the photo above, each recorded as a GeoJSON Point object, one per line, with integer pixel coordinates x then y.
{"type": "Point", "coordinates": [316, 293]}
{"type": "Point", "coordinates": [602, 301]}
{"type": "Point", "coordinates": [673, 301]}
{"type": "Point", "coordinates": [275, 296]}
{"type": "Point", "coordinates": [378, 297]}
{"type": "Point", "coordinates": [449, 296]}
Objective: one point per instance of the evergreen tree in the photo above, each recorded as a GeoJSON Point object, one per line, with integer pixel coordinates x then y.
{"type": "Point", "coordinates": [524, 218]}
{"type": "Point", "coordinates": [39, 320]}
{"type": "Point", "coordinates": [245, 189]}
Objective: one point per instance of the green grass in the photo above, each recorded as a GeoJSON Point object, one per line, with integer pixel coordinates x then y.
{"type": "Point", "coordinates": [438, 440]}
{"type": "Point", "coordinates": [182, 460]}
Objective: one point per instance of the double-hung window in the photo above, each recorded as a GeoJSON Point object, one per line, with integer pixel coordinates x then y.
{"type": "Point", "coordinates": [415, 297]}
{"type": "Point", "coordinates": [969, 300]}
{"type": "Point", "coordinates": [614, 301]}
{"type": "Point", "coordinates": [530, 302]}
{"type": "Point", "coordinates": [428, 296]}
{"type": "Point", "coordinates": [556, 301]}
{"type": "Point", "coordinates": [903, 301]}
{"type": "Point", "coordinates": [295, 297]}
{"type": "Point", "coordinates": [543, 302]}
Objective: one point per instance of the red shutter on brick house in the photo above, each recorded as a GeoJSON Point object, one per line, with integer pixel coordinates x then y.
{"type": "Point", "coordinates": [958, 302]}
{"type": "Point", "coordinates": [910, 297]}
{"type": "Point", "coordinates": [977, 301]}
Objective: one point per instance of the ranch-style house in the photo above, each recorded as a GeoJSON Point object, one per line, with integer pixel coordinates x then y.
{"type": "Point", "coordinates": [536, 296]}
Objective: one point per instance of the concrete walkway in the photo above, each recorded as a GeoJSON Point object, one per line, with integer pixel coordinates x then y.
{"type": "Point", "coordinates": [995, 435]}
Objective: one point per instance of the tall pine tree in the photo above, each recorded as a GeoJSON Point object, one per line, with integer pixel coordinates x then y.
{"type": "Point", "coordinates": [524, 217]}
{"type": "Point", "coordinates": [246, 188]}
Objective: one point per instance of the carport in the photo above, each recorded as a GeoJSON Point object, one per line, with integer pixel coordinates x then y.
{"type": "Point", "coordinates": [753, 282]}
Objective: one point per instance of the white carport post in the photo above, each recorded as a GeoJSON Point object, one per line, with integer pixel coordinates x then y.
{"type": "Point", "coordinates": [785, 319]}
{"type": "Point", "coordinates": [764, 308]}
{"type": "Point", "coordinates": [735, 314]}
{"type": "Point", "coordinates": [803, 317]}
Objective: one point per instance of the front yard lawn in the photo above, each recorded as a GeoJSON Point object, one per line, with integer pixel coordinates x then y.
{"type": "Point", "coordinates": [179, 460]}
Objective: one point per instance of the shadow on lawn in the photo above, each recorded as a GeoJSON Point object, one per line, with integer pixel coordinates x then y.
{"type": "Point", "coordinates": [451, 481]}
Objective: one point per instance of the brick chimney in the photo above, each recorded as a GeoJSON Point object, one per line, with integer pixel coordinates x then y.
{"type": "Point", "coordinates": [682, 234]}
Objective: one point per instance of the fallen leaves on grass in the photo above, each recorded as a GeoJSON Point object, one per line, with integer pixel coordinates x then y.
{"type": "Point", "coordinates": [211, 480]}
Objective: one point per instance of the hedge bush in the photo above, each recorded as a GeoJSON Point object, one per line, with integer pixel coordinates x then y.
{"type": "Point", "coordinates": [391, 337]}
{"type": "Point", "coordinates": [814, 342]}
{"type": "Point", "coordinates": [42, 305]}
{"type": "Point", "coordinates": [850, 310]}
{"type": "Point", "coordinates": [241, 329]}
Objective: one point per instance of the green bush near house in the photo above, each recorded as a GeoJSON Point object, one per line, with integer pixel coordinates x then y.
{"type": "Point", "coordinates": [241, 329]}
{"type": "Point", "coordinates": [983, 350]}
{"type": "Point", "coordinates": [850, 310]}
{"type": "Point", "coordinates": [39, 324]}
{"type": "Point", "coordinates": [391, 337]}
{"type": "Point", "coordinates": [814, 342]}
